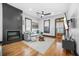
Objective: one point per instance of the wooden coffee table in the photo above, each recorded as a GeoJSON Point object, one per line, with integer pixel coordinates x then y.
{"type": "Point", "coordinates": [41, 38]}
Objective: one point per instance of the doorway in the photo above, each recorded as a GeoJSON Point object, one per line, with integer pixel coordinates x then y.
{"type": "Point", "coordinates": [59, 25]}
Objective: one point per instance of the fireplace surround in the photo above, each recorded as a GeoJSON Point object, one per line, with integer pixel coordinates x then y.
{"type": "Point", "coordinates": [13, 35]}
{"type": "Point", "coordinates": [12, 23]}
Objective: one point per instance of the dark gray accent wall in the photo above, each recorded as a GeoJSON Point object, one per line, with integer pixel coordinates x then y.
{"type": "Point", "coordinates": [12, 20]}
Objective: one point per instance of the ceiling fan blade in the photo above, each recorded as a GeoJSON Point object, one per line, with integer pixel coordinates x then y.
{"type": "Point", "coordinates": [38, 13]}
{"type": "Point", "coordinates": [47, 14]}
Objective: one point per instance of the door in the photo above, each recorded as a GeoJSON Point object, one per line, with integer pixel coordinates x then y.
{"type": "Point", "coordinates": [60, 25]}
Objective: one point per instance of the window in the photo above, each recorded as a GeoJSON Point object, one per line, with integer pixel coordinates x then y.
{"type": "Point", "coordinates": [34, 26]}
{"type": "Point", "coordinates": [46, 26]}
{"type": "Point", "coordinates": [28, 24]}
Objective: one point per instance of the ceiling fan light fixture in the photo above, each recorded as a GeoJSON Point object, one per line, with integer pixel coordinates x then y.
{"type": "Point", "coordinates": [42, 15]}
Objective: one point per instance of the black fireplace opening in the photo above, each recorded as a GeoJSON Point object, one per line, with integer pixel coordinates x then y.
{"type": "Point", "coordinates": [13, 35]}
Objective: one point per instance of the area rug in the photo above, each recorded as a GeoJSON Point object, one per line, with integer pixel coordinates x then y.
{"type": "Point", "coordinates": [40, 46]}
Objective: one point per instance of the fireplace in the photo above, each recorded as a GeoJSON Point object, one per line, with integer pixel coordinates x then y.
{"type": "Point", "coordinates": [13, 35]}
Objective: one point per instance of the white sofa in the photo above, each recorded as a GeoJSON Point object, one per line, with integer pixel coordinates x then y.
{"type": "Point", "coordinates": [31, 37]}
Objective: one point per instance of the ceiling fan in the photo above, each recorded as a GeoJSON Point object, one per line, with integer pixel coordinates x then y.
{"type": "Point", "coordinates": [42, 13]}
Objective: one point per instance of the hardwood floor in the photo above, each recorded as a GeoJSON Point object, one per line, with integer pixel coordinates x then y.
{"type": "Point", "coordinates": [55, 51]}
{"type": "Point", "coordinates": [21, 49]}
{"type": "Point", "coordinates": [18, 49]}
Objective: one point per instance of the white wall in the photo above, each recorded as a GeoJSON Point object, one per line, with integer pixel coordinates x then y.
{"type": "Point", "coordinates": [74, 12]}
{"type": "Point", "coordinates": [52, 24]}
{"type": "Point", "coordinates": [0, 27]}
{"type": "Point", "coordinates": [0, 22]}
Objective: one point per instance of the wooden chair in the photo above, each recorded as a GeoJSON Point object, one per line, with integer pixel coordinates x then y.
{"type": "Point", "coordinates": [58, 37]}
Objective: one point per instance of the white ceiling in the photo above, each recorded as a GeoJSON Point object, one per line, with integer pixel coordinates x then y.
{"type": "Point", "coordinates": [32, 8]}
